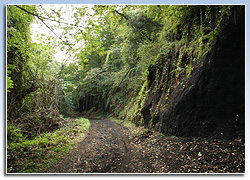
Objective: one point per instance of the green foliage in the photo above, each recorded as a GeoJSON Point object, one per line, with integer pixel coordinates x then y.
{"type": "Point", "coordinates": [14, 134]}
{"type": "Point", "coordinates": [32, 86]}
{"type": "Point", "coordinates": [10, 83]}
{"type": "Point", "coordinates": [37, 155]}
{"type": "Point", "coordinates": [122, 41]}
{"type": "Point", "coordinates": [18, 23]}
{"type": "Point", "coordinates": [173, 137]}
{"type": "Point", "coordinates": [66, 105]}
{"type": "Point", "coordinates": [115, 48]}
{"type": "Point", "coordinates": [19, 77]}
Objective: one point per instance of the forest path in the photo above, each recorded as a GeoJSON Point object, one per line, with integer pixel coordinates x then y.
{"type": "Point", "coordinates": [112, 148]}
{"type": "Point", "coordinates": [108, 147]}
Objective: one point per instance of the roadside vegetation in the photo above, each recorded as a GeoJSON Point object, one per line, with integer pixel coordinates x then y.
{"type": "Point", "coordinates": [38, 154]}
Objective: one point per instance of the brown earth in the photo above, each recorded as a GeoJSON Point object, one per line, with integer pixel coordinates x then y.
{"type": "Point", "coordinates": [112, 148]}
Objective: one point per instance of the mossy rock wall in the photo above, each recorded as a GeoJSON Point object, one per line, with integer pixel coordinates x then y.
{"type": "Point", "coordinates": [211, 100]}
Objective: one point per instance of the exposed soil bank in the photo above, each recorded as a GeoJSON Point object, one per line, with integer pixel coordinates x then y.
{"type": "Point", "coordinates": [211, 101]}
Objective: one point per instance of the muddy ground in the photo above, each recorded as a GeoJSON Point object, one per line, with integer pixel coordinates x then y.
{"type": "Point", "coordinates": [112, 148]}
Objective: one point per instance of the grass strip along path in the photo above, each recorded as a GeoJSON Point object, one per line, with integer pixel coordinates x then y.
{"type": "Point", "coordinates": [38, 154]}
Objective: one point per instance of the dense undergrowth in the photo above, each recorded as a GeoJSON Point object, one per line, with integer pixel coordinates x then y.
{"type": "Point", "coordinates": [38, 154]}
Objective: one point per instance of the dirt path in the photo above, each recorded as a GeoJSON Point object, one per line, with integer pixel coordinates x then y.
{"type": "Point", "coordinates": [111, 148]}
{"type": "Point", "coordinates": [107, 148]}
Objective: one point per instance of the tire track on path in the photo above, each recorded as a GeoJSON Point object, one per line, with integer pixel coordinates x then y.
{"type": "Point", "coordinates": [105, 149]}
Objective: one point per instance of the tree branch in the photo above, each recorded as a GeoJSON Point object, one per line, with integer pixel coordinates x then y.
{"type": "Point", "coordinates": [125, 17]}
{"type": "Point", "coordinates": [42, 19]}
{"type": "Point", "coordinates": [56, 34]}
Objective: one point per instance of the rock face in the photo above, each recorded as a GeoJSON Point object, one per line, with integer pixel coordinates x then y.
{"type": "Point", "coordinates": [211, 102]}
